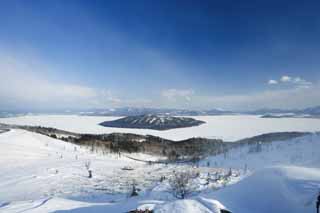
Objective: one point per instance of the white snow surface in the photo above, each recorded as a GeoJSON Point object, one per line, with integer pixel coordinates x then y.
{"type": "Point", "coordinates": [229, 128]}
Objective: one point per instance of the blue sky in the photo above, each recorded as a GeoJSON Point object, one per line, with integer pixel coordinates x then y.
{"type": "Point", "coordinates": [184, 54]}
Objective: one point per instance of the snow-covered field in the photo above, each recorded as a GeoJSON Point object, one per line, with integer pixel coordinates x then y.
{"type": "Point", "coordinates": [41, 174]}
{"type": "Point", "coordinates": [230, 128]}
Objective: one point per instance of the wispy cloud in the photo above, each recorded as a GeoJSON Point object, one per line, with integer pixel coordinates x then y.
{"type": "Point", "coordinates": [297, 97]}
{"type": "Point", "coordinates": [24, 84]}
{"type": "Point", "coordinates": [302, 82]}
{"type": "Point", "coordinates": [295, 93]}
{"type": "Point", "coordinates": [175, 94]}
{"type": "Point", "coordinates": [289, 80]}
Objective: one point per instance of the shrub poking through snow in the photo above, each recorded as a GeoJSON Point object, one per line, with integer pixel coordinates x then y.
{"type": "Point", "coordinates": [133, 190]}
{"type": "Point", "coordinates": [181, 184]}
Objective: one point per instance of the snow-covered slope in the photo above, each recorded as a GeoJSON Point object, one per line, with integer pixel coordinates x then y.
{"type": "Point", "coordinates": [33, 166]}
{"type": "Point", "coordinates": [276, 189]}
{"type": "Point", "coordinates": [301, 151]}
{"type": "Point", "coordinates": [60, 205]}
{"type": "Point", "coordinates": [285, 176]}
{"type": "Point", "coordinates": [41, 174]}
{"type": "Point", "coordinates": [200, 204]}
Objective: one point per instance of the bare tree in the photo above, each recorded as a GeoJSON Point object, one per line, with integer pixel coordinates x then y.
{"type": "Point", "coordinates": [182, 184]}
{"type": "Point", "coordinates": [88, 167]}
{"type": "Point", "coordinates": [229, 174]}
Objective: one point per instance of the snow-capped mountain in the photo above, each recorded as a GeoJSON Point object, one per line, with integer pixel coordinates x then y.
{"type": "Point", "coordinates": [151, 121]}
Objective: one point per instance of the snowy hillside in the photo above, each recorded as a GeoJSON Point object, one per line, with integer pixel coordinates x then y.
{"type": "Point", "coordinates": [34, 166]}
{"type": "Point", "coordinates": [302, 151]}
{"type": "Point", "coordinates": [41, 174]}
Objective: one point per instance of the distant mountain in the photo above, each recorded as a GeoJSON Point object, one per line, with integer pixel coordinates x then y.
{"type": "Point", "coordinates": [271, 111]}
{"type": "Point", "coordinates": [150, 121]}
{"type": "Point", "coordinates": [123, 111]}
{"type": "Point", "coordinates": [218, 112]}
{"type": "Point", "coordinates": [312, 112]}
{"type": "Point", "coordinates": [283, 115]}
{"type": "Point", "coordinates": [8, 114]}
{"type": "Point", "coordinates": [133, 111]}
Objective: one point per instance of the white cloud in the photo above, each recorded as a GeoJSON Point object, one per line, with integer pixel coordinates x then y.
{"type": "Point", "coordinates": [175, 94]}
{"type": "Point", "coordinates": [285, 78]}
{"type": "Point", "coordinates": [25, 84]}
{"type": "Point", "coordinates": [297, 97]}
{"type": "Point", "coordinates": [108, 96]}
{"type": "Point", "coordinates": [293, 81]}
{"type": "Point", "coordinates": [298, 93]}
{"type": "Point", "coordinates": [297, 80]}
{"type": "Point", "coordinates": [301, 82]}
{"type": "Point", "coordinates": [272, 81]}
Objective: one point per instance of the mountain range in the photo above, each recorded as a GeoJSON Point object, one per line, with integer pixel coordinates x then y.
{"type": "Point", "coordinates": [133, 111]}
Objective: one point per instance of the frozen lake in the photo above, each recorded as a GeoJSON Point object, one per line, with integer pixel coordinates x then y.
{"type": "Point", "coordinates": [230, 128]}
